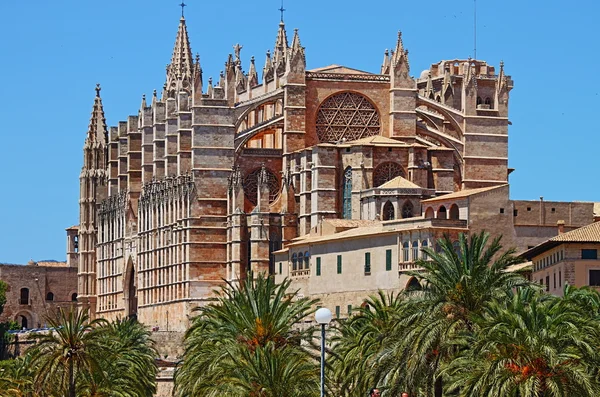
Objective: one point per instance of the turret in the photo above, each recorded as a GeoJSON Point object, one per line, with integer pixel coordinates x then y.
{"type": "Point", "coordinates": [180, 72]}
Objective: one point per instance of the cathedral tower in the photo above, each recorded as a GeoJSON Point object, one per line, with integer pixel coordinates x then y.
{"type": "Point", "coordinates": [93, 189]}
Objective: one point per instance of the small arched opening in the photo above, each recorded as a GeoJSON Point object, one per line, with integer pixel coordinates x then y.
{"type": "Point", "coordinates": [442, 214]}
{"type": "Point", "coordinates": [130, 290]}
{"type": "Point", "coordinates": [454, 212]}
{"type": "Point", "coordinates": [413, 284]}
{"type": "Point", "coordinates": [306, 260]}
{"type": "Point", "coordinates": [294, 262]}
{"type": "Point", "coordinates": [424, 245]}
{"type": "Point", "coordinates": [488, 102]}
{"type": "Point", "coordinates": [479, 101]}
{"type": "Point", "coordinates": [74, 297]}
{"type": "Point", "coordinates": [389, 213]}
{"type": "Point", "coordinates": [429, 213]}
{"type": "Point", "coordinates": [50, 296]}
{"type": "Point", "coordinates": [300, 260]}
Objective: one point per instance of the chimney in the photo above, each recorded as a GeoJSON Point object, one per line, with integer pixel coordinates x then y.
{"type": "Point", "coordinates": [561, 226]}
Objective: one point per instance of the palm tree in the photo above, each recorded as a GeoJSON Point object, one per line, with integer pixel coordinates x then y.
{"type": "Point", "coordinates": [247, 343]}
{"type": "Point", "coordinates": [456, 284]}
{"type": "Point", "coordinates": [71, 352]}
{"type": "Point", "coordinates": [359, 339]}
{"type": "Point", "coordinates": [130, 368]}
{"type": "Point", "coordinates": [534, 345]}
{"type": "Point", "coordinates": [16, 377]}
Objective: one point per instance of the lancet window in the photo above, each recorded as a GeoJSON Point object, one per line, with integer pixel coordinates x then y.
{"type": "Point", "coordinates": [347, 194]}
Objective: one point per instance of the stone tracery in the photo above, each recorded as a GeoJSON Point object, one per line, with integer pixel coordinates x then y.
{"type": "Point", "coordinates": [386, 172]}
{"type": "Point", "coordinates": [347, 116]}
{"type": "Point", "coordinates": [251, 185]}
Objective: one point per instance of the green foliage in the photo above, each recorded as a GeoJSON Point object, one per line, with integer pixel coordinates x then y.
{"type": "Point", "coordinates": [86, 359]}
{"type": "Point", "coordinates": [530, 345]}
{"type": "Point", "coordinates": [246, 343]}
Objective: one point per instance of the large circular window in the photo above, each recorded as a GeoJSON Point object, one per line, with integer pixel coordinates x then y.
{"type": "Point", "coordinates": [347, 117]}
{"type": "Point", "coordinates": [251, 185]}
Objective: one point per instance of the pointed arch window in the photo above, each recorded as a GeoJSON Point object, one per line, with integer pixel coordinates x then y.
{"type": "Point", "coordinates": [389, 213]}
{"type": "Point", "coordinates": [347, 194]}
{"type": "Point", "coordinates": [407, 210]}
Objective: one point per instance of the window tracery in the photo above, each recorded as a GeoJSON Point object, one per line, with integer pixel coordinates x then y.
{"type": "Point", "coordinates": [386, 172]}
{"type": "Point", "coordinates": [251, 185]}
{"type": "Point", "coordinates": [347, 116]}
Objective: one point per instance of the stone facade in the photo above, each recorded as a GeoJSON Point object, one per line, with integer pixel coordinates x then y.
{"type": "Point", "coordinates": [36, 291]}
{"type": "Point", "coordinates": [212, 178]}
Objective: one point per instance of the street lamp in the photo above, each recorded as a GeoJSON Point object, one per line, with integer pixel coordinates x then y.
{"type": "Point", "coordinates": [323, 317]}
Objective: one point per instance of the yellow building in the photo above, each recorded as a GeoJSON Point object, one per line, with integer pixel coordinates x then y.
{"type": "Point", "coordinates": [569, 258]}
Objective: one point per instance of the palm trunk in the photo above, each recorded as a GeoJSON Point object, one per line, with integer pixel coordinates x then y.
{"type": "Point", "coordinates": [71, 380]}
{"type": "Point", "coordinates": [438, 387]}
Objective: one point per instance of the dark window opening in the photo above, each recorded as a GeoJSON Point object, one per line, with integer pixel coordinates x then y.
{"type": "Point", "coordinates": [547, 283]}
{"type": "Point", "coordinates": [515, 212]}
{"type": "Point", "coordinates": [74, 297]}
{"type": "Point", "coordinates": [24, 298]}
{"type": "Point", "coordinates": [502, 210]}
{"type": "Point", "coordinates": [553, 210]}
{"type": "Point", "coordinates": [589, 254]}
{"type": "Point", "coordinates": [595, 278]}
{"type": "Point", "coordinates": [337, 312]}
{"type": "Point", "coordinates": [49, 296]}
{"type": "Point", "coordinates": [528, 208]}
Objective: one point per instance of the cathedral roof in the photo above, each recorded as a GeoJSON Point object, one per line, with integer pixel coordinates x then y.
{"type": "Point", "coordinates": [399, 182]}
{"type": "Point", "coordinates": [463, 193]}
{"type": "Point", "coordinates": [338, 69]}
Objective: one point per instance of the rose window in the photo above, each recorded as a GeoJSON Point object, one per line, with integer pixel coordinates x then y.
{"type": "Point", "coordinates": [386, 172]}
{"type": "Point", "coordinates": [251, 185]}
{"type": "Point", "coordinates": [347, 116]}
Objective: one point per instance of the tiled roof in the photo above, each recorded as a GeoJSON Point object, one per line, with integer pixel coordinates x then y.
{"type": "Point", "coordinates": [338, 69]}
{"type": "Point", "coordinates": [399, 182]}
{"type": "Point", "coordinates": [585, 234]}
{"type": "Point", "coordinates": [350, 222]}
{"type": "Point", "coordinates": [376, 140]}
{"type": "Point", "coordinates": [463, 193]}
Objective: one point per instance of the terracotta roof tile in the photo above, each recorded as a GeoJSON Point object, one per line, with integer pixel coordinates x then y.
{"type": "Point", "coordinates": [585, 234]}
{"type": "Point", "coordinates": [463, 193]}
{"type": "Point", "coordinates": [399, 182]}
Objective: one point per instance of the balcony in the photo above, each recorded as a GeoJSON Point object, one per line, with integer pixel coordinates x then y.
{"type": "Point", "coordinates": [300, 273]}
{"type": "Point", "coordinates": [409, 266]}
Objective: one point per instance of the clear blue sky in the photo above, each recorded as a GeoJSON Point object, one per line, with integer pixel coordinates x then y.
{"type": "Point", "coordinates": [54, 52]}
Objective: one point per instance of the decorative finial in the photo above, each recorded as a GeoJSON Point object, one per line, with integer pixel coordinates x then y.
{"type": "Point", "coordinates": [282, 10]}
{"type": "Point", "coordinates": [252, 59]}
{"type": "Point", "coordinates": [154, 93]}
{"type": "Point", "coordinates": [182, 5]}
{"type": "Point", "coordinates": [502, 64]}
{"type": "Point", "coordinates": [98, 89]}
{"type": "Point", "coordinates": [197, 58]}
{"type": "Point", "coordinates": [210, 81]}
{"type": "Point", "coordinates": [237, 49]}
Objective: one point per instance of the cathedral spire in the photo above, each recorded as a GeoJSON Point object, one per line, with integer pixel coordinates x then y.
{"type": "Point", "coordinates": [385, 65]}
{"type": "Point", "coordinates": [97, 131]}
{"type": "Point", "coordinates": [179, 71]}
{"type": "Point", "coordinates": [281, 44]}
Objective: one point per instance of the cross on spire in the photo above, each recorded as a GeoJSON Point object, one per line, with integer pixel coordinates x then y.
{"type": "Point", "coordinates": [182, 5]}
{"type": "Point", "coordinates": [282, 10]}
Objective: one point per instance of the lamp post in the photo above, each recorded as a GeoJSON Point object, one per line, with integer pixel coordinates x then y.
{"type": "Point", "coordinates": [323, 317]}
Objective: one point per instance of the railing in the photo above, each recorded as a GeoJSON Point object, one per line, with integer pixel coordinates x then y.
{"type": "Point", "coordinates": [348, 77]}
{"type": "Point", "coordinates": [404, 267]}
{"type": "Point", "coordinates": [262, 152]}
{"type": "Point", "coordinates": [303, 272]}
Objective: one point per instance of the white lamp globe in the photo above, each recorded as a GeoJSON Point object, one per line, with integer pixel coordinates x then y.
{"type": "Point", "coordinates": [323, 315]}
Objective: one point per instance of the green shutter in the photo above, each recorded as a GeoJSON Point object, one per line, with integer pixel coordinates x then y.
{"type": "Point", "coordinates": [367, 263]}
{"type": "Point", "coordinates": [339, 264]}
{"type": "Point", "coordinates": [388, 260]}
{"type": "Point", "coordinates": [318, 266]}
{"type": "Point", "coordinates": [337, 312]}
{"type": "Point", "coordinates": [280, 267]}
{"type": "Point", "coordinates": [349, 310]}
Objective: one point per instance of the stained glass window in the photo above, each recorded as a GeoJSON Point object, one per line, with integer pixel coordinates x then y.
{"type": "Point", "coordinates": [347, 194]}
